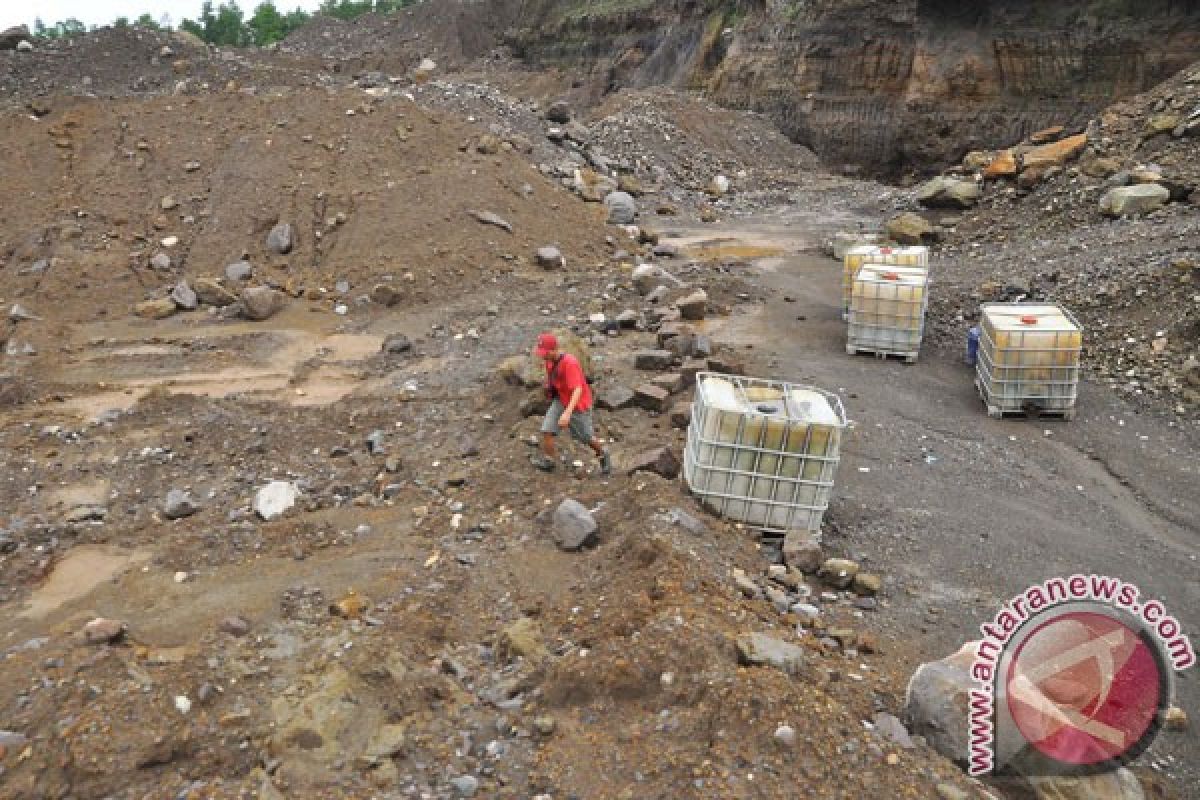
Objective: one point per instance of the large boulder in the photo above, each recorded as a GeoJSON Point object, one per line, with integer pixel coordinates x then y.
{"type": "Point", "coordinates": [910, 228]}
{"type": "Point", "coordinates": [1134, 200]}
{"type": "Point", "coordinates": [261, 302]}
{"type": "Point", "coordinates": [1054, 154]}
{"type": "Point", "coordinates": [11, 37]}
{"type": "Point", "coordinates": [574, 525]}
{"type": "Point", "coordinates": [943, 192]}
{"type": "Point", "coordinates": [1119, 785]}
{"type": "Point", "coordinates": [1004, 165]}
{"type": "Point", "coordinates": [622, 208]}
{"type": "Point", "coordinates": [937, 702]}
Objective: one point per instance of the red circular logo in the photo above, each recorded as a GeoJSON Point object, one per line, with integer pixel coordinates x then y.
{"type": "Point", "coordinates": [1084, 688]}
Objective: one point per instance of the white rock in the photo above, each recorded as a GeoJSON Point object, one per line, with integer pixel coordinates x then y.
{"type": "Point", "coordinates": [275, 498]}
{"type": "Point", "coordinates": [170, 241]}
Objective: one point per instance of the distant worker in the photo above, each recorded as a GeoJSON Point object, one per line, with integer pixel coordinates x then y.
{"type": "Point", "coordinates": [571, 406]}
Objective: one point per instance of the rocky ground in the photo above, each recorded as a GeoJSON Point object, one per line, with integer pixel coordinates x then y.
{"type": "Point", "coordinates": [270, 525]}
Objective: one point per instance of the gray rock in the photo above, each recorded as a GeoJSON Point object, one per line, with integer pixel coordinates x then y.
{"type": "Point", "coordinates": [19, 312]}
{"type": "Point", "coordinates": [651, 397]}
{"type": "Point", "coordinates": [12, 741]}
{"type": "Point", "coordinates": [161, 262]}
{"type": "Point", "coordinates": [936, 702]}
{"type": "Point", "coordinates": [103, 631]}
{"type": "Point", "coordinates": [396, 343]}
{"type": "Point", "coordinates": [488, 218]}
{"type": "Point", "coordinates": [465, 785]}
{"type": "Point", "coordinates": [892, 729]}
{"type": "Point", "coordinates": [653, 359]}
{"type": "Point", "coordinates": [627, 320]}
{"type": "Point", "coordinates": [910, 228]}
{"type": "Point", "coordinates": [275, 498]}
{"type": "Point", "coordinates": [614, 398]}
{"type": "Point", "coordinates": [759, 649]}
{"type": "Point", "coordinates": [660, 461]}
{"type": "Point", "coordinates": [386, 295]}
{"type": "Point", "coordinates": [234, 626]}
{"type": "Point", "coordinates": [261, 302]}
{"type": "Point", "coordinates": [622, 208]}
{"type": "Point", "coordinates": [184, 296]}
{"type": "Point", "coordinates": [943, 192]}
{"type": "Point", "coordinates": [179, 504]}
{"type": "Point", "coordinates": [1134, 200]}
{"type": "Point", "coordinates": [550, 258]}
{"type": "Point", "coordinates": [746, 585]}
{"type": "Point", "coordinates": [24, 46]}
{"type": "Point", "coordinates": [11, 38]}
{"type": "Point", "coordinates": [558, 112]}
{"type": "Point", "coordinates": [785, 736]}
{"type": "Point", "coordinates": [211, 293]}
{"type": "Point", "coordinates": [657, 295]}
{"type": "Point", "coordinates": [665, 250]}
{"type": "Point", "coordinates": [645, 277]}
{"type": "Point", "coordinates": [693, 305]}
{"type": "Point", "coordinates": [573, 525]}
{"type": "Point", "coordinates": [779, 599]}
{"type": "Point", "coordinates": [375, 442]}
{"type": "Point", "coordinates": [802, 550]}
{"type": "Point", "coordinates": [239, 271]}
{"type": "Point", "coordinates": [1122, 784]}
{"type": "Point", "coordinates": [838, 572]}
{"type": "Point", "coordinates": [689, 523]}
{"type": "Point", "coordinates": [279, 240]}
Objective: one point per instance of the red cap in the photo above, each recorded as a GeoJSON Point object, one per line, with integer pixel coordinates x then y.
{"type": "Point", "coordinates": [546, 344]}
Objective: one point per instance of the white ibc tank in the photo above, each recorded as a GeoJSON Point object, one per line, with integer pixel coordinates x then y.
{"type": "Point", "coordinates": [887, 309]}
{"type": "Point", "coordinates": [869, 254]}
{"type": "Point", "coordinates": [1029, 355]}
{"type": "Point", "coordinates": [763, 452]}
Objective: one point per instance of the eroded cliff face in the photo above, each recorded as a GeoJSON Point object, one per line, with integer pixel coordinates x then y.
{"type": "Point", "coordinates": [889, 85]}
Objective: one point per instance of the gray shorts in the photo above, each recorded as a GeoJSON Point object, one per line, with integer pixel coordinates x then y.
{"type": "Point", "coordinates": [580, 427]}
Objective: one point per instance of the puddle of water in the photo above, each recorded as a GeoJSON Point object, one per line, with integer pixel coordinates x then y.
{"type": "Point", "coordinates": [80, 571]}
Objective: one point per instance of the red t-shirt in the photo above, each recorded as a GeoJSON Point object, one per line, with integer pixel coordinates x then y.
{"type": "Point", "coordinates": [565, 378]}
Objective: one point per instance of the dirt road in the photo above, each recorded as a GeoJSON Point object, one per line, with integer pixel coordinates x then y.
{"type": "Point", "coordinates": [962, 511]}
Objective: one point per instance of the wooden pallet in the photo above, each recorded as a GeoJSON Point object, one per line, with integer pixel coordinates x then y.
{"type": "Point", "coordinates": [908, 357]}
{"type": "Point", "coordinates": [996, 412]}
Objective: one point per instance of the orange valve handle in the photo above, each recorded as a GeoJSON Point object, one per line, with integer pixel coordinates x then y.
{"type": "Point", "coordinates": [890, 276]}
{"type": "Point", "coordinates": [1029, 320]}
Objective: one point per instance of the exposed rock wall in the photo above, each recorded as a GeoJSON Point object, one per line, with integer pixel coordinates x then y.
{"type": "Point", "coordinates": [888, 85]}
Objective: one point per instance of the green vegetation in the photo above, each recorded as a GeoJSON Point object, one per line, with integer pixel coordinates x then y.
{"type": "Point", "coordinates": [226, 24]}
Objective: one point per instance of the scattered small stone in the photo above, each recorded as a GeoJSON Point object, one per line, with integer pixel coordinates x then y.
{"type": "Point", "coordinates": [466, 785]}
{"type": "Point", "coordinates": [802, 551]}
{"type": "Point", "coordinates": [838, 572]}
{"type": "Point", "coordinates": [396, 343]}
{"type": "Point", "coordinates": [261, 302]}
{"type": "Point", "coordinates": [545, 725]}
{"type": "Point", "coordinates": [275, 498]}
{"type": "Point", "coordinates": [692, 306]}
{"type": "Point", "coordinates": [179, 504]}
{"type": "Point", "coordinates": [759, 649]}
{"type": "Point", "coordinates": [239, 271]}
{"type": "Point", "coordinates": [158, 308]}
{"type": "Point", "coordinates": [1175, 720]}
{"type": "Point", "coordinates": [386, 295]}
{"type": "Point", "coordinates": [651, 398]}
{"type": "Point", "coordinates": [661, 461]}
{"type": "Point", "coordinates": [279, 240]}
{"type": "Point", "coordinates": [103, 631]}
{"type": "Point", "coordinates": [573, 525]}
{"type": "Point", "coordinates": [785, 736]}
{"type": "Point", "coordinates": [488, 218]}
{"type": "Point", "coordinates": [653, 359]}
{"type": "Point", "coordinates": [622, 208]}
{"type": "Point", "coordinates": [550, 258]}
{"type": "Point", "coordinates": [867, 584]}
{"type": "Point", "coordinates": [184, 297]}
{"type": "Point", "coordinates": [234, 625]}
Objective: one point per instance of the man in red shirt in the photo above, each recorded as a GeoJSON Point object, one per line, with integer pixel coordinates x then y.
{"type": "Point", "coordinates": [571, 408]}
